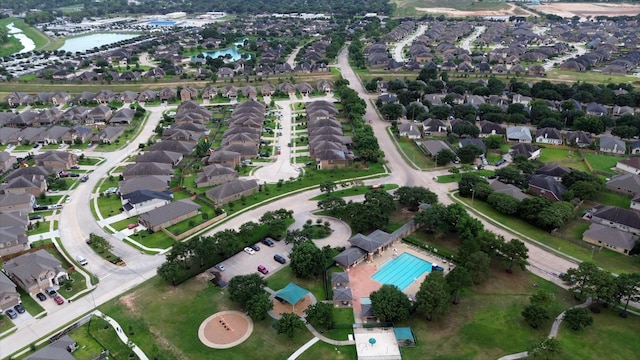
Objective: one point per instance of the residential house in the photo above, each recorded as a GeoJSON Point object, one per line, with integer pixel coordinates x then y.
{"type": "Point", "coordinates": [531, 152]}
{"type": "Point", "coordinates": [183, 147]}
{"type": "Point", "coordinates": [99, 114]}
{"type": "Point", "coordinates": [60, 349]}
{"type": "Point", "coordinates": [554, 170]}
{"type": "Point", "coordinates": [167, 94]}
{"type": "Point", "coordinates": [626, 184]}
{"type": "Point", "coordinates": [123, 116]}
{"type": "Point", "coordinates": [150, 182]}
{"type": "Point", "coordinates": [409, 130]}
{"type": "Point", "coordinates": [547, 187]}
{"type": "Point", "coordinates": [215, 174]}
{"type": "Point", "coordinates": [35, 271]}
{"type": "Point", "coordinates": [17, 202]}
{"type": "Point", "coordinates": [226, 158]}
{"type": "Point", "coordinates": [26, 184]}
{"type": "Point", "coordinates": [635, 148]}
{"type": "Point", "coordinates": [629, 166]}
{"type": "Point", "coordinates": [160, 156]}
{"type": "Point", "coordinates": [595, 109]}
{"type": "Point", "coordinates": [147, 95]}
{"type": "Point", "coordinates": [6, 161]}
{"type": "Point", "coordinates": [549, 135]}
{"type": "Point", "coordinates": [9, 296]}
{"type": "Point", "coordinates": [433, 147]}
{"type": "Point", "coordinates": [141, 201]}
{"type": "Point", "coordinates": [13, 232]}
{"type": "Point", "coordinates": [188, 94]}
{"type": "Point", "coordinates": [610, 237]}
{"type": "Point", "coordinates": [147, 168]}
{"type": "Point", "coordinates": [169, 214]}
{"type": "Point", "coordinates": [108, 135]}
{"type": "Point", "coordinates": [434, 127]}
{"type": "Point", "coordinates": [612, 216]}
{"type": "Point", "coordinates": [509, 189]}
{"type": "Point", "coordinates": [231, 191]}
{"type": "Point", "coordinates": [612, 145]}
{"type": "Point", "coordinates": [579, 138]}
{"type": "Point", "coordinates": [488, 128]}
{"type": "Point", "coordinates": [520, 134]}
{"type": "Point", "coordinates": [473, 141]}
{"type": "Point", "coordinates": [521, 99]}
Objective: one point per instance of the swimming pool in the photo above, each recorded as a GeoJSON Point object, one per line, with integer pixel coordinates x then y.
{"type": "Point", "coordinates": [162, 23]}
{"type": "Point", "coordinates": [402, 271]}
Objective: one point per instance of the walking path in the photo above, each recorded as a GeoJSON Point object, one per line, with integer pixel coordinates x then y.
{"type": "Point", "coordinates": [303, 348]}
{"type": "Point", "coordinates": [327, 340]}
{"type": "Point", "coordinates": [552, 333]}
{"type": "Point", "coordinates": [123, 337]}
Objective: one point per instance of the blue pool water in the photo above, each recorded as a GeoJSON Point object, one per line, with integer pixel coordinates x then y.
{"type": "Point", "coordinates": [402, 271]}
{"type": "Point", "coordinates": [162, 23]}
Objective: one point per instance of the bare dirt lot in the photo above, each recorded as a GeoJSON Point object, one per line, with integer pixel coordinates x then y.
{"type": "Point", "coordinates": [589, 9]}
{"type": "Point", "coordinates": [509, 10]}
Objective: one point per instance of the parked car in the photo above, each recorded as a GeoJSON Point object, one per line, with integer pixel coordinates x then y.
{"type": "Point", "coordinates": [12, 314]}
{"type": "Point", "coordinates": [51, 292]}
{"type": "Point", "coordinates": [500, 162]}
{"type": "Point", "coordinates": [255, 247]}
{"type": "Point", "coordinates": [132, 226]}
{"type": "Point", "coordinates": [81, 260]}
{"type": "Point", "coordinates": [75, 167]}
{"type": "Point", "coordinates": [279, 258]}
{"type": "Point", "coordinates": [263, 269]}
{"type": "Point", "coordinates": [19, 308]}
{"type": "Point", "coordinates": [249, 250]}
{"type": "Point", "coordinates": [220, 267]}
{"type": "Point", "coordinates": [59, 300]}
{"type": "Point", "coordinates": [268, 241]}
{"type": "Point", "coordinates": [35, 217]}
{"type": "Point", "coordinates": [41, 297]}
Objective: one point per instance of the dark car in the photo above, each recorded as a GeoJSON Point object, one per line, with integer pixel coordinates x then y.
{"type": "Point", "coordinates": [75, 167]}
{"type": "Point", "coordinates": [279, 258]}
{"type": "Point", "coordinates": [268, 241]}
{"type": "Point", "coordinates": [41, 296]}
{"type": "Point", "coordinates": [19, 308]}
{"type": "Point", "coordinates": [12, 314]}
{"type": "Point", "coordinates": [35, 217]}
{"type": "Point", "coordinates": [500, 162]}
{"type": "Point", "coordinates": [255, 247]}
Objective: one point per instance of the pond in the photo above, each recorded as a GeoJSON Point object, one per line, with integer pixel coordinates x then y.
{"type": "Point", "coordinates": [86, 42]}
{"type": "Point", "coordinates": [25, 41]}
{"type": "Point", "coordinates": [234, 52]}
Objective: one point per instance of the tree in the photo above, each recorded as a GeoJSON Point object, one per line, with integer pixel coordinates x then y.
{"type": "Point", "coordinates": [433, 219]}
{"type": "Point", "coordinates": [504, 203]}
{"type": "Point", "coordinates": [493, 141]}
{"type": "Point", "coordinates": [478, 266]}
{"type": "Point", "coordinates": [332, 204]}
{"type": "Point", "coordinates": [389, 304]}
{"type": "Point", "coordinates": [391, 111]}
{"type": "Point", "coordinates": [258, 305]}
{"type": "Point", "coordinates": [458, 279]}
{"type": "Point", "coordinates": [380, 199]}
{"type": "Point", "coordinates": [202, 147]}
{"type": "Point", "coordinates": [469, 153]}
{"type": "Point", "coordinates": [546, 349]}
{"type": "Point", "coordinates": [322, 314]}
{"type": "Point", "coordinates": [592, 124]}
{"type": "Point", "coordinates": [541, 298]}
{"type": "Point", "coordinates": [169, 272]}
{"type": "Point", "coordinates": [296, 237]}
{"type": "Point", "coordinates": [445, 156]}
{"type": "Point", "coordinates": [413, 196]}
{"type": "Point", "coordinates": [627, 289]}
{"type": "Point", "coordinates": [535, 315]}
{"type": "Point", "coordinates": [578, 318]}
{"type": "Point", "coordinates": [328, 187]}
{"type": "Point", "coordinates": [466, 129]}
{"type": "Point", "coordinates": [515, 251]}
{"type": "Point", "coordinates": [99, 243]}
{"type": "Point", "coordinates": [243, 287]}
{"type": "Point", "coordinates": [306, 260]}
{"type": "Point", "coordinates": [288, 324]}
{"type": "Point", "coordinates": [433, 298]}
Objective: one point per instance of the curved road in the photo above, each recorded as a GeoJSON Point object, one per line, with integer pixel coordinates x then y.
{"type": "Point", "coordinates": [398, 51]}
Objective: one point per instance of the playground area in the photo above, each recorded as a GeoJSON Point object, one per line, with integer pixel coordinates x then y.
{"type": "Point", "coordinates": [225, 329]}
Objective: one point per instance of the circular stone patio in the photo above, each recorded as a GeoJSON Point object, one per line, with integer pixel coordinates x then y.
{"type": "Point", "coordinates": [225, 329]}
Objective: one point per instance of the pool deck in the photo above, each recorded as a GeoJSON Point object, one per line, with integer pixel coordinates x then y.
{"type": "Point", "coordinates": [362, 284]}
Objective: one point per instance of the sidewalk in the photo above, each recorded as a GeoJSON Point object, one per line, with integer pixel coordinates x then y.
{"type": "Point", "coordinates": [123, 337]}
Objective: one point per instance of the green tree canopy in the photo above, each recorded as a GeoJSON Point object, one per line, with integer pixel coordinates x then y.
{"type": "Point", "coordinates": [390, 304]}
{"type": "Point", "coordinates": [433, 298]}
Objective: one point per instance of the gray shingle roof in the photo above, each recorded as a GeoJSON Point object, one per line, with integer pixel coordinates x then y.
{"type": "Point", "coordinates": [169, 212]}
{"type": "Point", "coordinates": [611, 236]}
{"type": "Point", "coordinates": [629, 182]}
{"type": "Point", "coordinates": [349, 256]}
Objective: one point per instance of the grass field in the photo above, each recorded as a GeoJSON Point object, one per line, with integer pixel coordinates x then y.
{"type": "Point", "coordinates": [41, 228]}
{"type": "Point", "coordinates": [602, 162]}
{"type": "Point", "coordinates": [283, 277]}
{"type": "Point", "coordinates": [165, 320]}
{"type": "Point", "coordinates": [457, 177]}
{"type": "Point", "coordinates": [109, 205]}
{"type": "Point", "coordinates": [97, 335]}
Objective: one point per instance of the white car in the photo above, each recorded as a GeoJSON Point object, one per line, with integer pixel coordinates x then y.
{"type": "Point", "coordinates": [68, 200]}
{"type": "Point", "coordinates": [249, 251]}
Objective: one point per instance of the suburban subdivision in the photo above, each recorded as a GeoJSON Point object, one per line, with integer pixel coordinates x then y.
{"type": "Point", "coordinates": [334, 180]}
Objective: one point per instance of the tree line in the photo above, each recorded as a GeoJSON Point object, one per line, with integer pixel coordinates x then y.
{"type": "Point", "coordinates": [189, 258]}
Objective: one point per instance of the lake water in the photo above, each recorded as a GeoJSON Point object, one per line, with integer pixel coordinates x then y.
{"type": "Point", "coordinates": [26, 42]}
{"type": "Point", "coordinates": [233, 51]}
{"type": "Point", "coordinates": [86, 42]}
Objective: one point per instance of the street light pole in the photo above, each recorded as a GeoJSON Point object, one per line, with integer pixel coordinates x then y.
{"type": "Point", "coordinates": [473, 193]}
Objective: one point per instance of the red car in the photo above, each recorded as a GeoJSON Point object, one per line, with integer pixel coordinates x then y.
{"type": "Point", "coordinates": [263, 269]}
{"type": "Point", "coordinates": [59, 300]}
{"type": "Point", "coordinates": [132, 226]}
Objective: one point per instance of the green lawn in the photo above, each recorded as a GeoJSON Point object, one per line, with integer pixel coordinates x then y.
{"type": "Point", "coordinates": [284, 276]}
{"type": "Point", "coordinates": [575, 228]}
{"type": "Point", "coordinates": [89, 161]}
{"type": "Point", "coordinates": [41, 227]}
{"type": "Point", "coordinates": [5, 323]}
{"type": "Point", "coordinates": [549, 154]}
{"type": "Point", "coordinates": [108, 183]}
{"type": "Point", "coordinates": [79, 284]}
{"type": "Point", "coordinates": [322, 350]}
{"type": "Point", "coordinates": [157, 240]}
{"type": "Point", "coordinates": [412, 153]}
{"type": "Point", "coordinates": [166, 319]}
{"type": "Point", "coordinates": [97, 335]}
{"type": "Point", "coordinates": [122, 224]}
{"type": "Point", "coordinates": [602, 162]}
{"type": "Point", "coordinates": [109, 205]}
{"type": "Point", "coordinates": [29, 303]}
{"type": "Point", "coordinates": [608, 260]}
{"type": "Point", "coordinates": [613, 199]}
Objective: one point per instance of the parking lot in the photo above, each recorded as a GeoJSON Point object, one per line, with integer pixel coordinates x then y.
{"type": "Point", "coordinates": [243, 263]}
